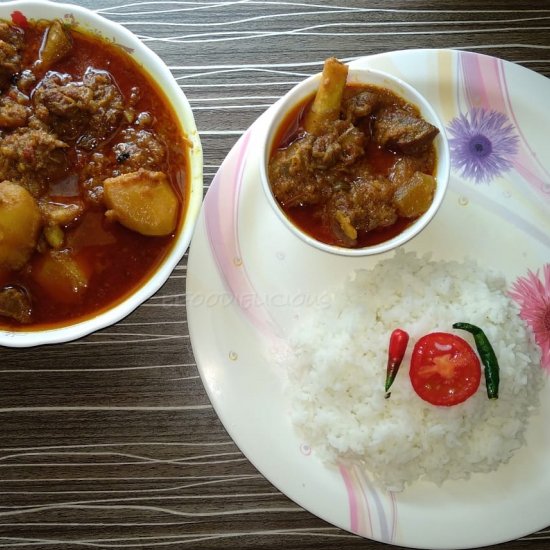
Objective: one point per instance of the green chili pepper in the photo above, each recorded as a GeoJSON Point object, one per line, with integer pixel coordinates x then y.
{"type": "Point", "coordinates": [488, 358]}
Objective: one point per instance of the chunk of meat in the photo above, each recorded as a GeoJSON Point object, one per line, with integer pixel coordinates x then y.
{"type": "Point", "coordinates": [360, 105]}
{"type": "Point", "coordinates": [342, 144]}
{"type": "Point", "coordinates": [14, 109]}
{"type": "Point", "coordinates": [58, 101]}
{"type": "Point", "coordinates": [20, 223]}
{"type": "Point", "coordinates": [56, 45]}
{"type": "Point", "coordinates": [32, 157]}
{"type": "Point", "coordinates": [11, 45]}
{"type": "Point", "coordinates": [325, 151]}
{"type": "Point", "coordinates": [405, 167]}
{"type": "Point", "coordinates": [12, 34]}
{"type": "Point", "coordinates": [93, 174]}
{"type": "Point", "coordinates": [88, 111]}
{"type": "Point", "coordinates": [107, 105]}
{"type": "Point", "coordinates": [352, 142]}
{"type": "Point", "coordinates": [289, 174]}
{"type": "Point", "coordinates": [366, 206]}
{"type": "Point", "coordinates": [142, 201]}
{"type": "Point", "coordinates": [138, 149]}
{"type": "Point", "coordinates": [25, 81]}
{"type": "Point", "coordinates": [15, 304]}
{"type": "Point", "coordinates": [302, 172]}
{"type": "Point", "coordinates": [397, 128]}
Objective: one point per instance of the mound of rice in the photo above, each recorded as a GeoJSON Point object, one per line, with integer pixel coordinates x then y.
{"type": "Point", "coordinates": [336, 380]}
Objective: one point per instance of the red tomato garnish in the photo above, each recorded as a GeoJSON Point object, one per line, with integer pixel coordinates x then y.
{"type": "Point", "coordinates": [19, 19]}
{"type": "Point", "coordinates": [445, 370]}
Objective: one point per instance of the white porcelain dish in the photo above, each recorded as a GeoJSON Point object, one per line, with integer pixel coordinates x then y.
{"type": "Point", "coordinates": [87, 20]}
{"type": "Point", "coordinates": [250, 281]}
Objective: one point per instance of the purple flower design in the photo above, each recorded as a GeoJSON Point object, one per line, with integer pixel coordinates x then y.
{"type": "Point", "coordinates": [482, 142]}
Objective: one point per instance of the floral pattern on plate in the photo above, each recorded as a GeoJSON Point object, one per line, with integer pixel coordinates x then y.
{"type": "Point", "coordinates": [533, 296]}
{"type": "Point", "coordinates": [483, 144]}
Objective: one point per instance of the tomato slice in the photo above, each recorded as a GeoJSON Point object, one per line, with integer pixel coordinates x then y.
{"type": "Point", "coordinates": [445, 370]}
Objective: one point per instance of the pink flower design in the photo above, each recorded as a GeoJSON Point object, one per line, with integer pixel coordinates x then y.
{"type": "Point", "coordinates": [533, 297]}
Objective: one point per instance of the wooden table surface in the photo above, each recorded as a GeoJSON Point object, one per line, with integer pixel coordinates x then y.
{"type": "Point", "coordinates": [111, 441]}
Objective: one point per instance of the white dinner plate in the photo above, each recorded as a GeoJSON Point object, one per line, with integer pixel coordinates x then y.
{"type": "Point", "coordinates": [249, 280]}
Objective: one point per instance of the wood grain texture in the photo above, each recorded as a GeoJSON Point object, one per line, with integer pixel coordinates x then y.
{"type": "Point", "coordinates": [111, 441]}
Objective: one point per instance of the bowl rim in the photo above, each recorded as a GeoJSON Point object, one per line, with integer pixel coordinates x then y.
{"type": "Point", "coordinates": [151, 63]}
{"type": "Point", "coordinates": [398, 86]}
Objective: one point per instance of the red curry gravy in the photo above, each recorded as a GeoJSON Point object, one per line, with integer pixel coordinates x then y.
{"type": "Point", "coordinates": [312, 218]}
{"type": "Point", "coordinates": [117, 260]}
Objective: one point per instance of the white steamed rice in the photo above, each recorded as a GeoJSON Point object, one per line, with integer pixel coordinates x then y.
{"type": "Point", "coordinates": [336, 381]}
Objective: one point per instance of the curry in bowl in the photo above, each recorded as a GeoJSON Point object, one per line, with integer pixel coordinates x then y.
{"type": "Point", "coordinates": [353, 165]}
{"type": "Point", "coordinates": [94, 180]}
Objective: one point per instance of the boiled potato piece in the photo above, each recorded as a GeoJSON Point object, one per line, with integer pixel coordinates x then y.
{"type": "Point", "coordinates": [142, 201]}
{"type": "Point", "coordinates": [57, 45]}
{"type": "Point", "coordinates": [20, 223]}
{"type": "Point", "coordinates": [414, 197]}
{"type": "Point", "coordinates": [61, 275]}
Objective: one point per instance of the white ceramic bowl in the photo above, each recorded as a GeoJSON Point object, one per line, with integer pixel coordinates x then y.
{"type": "Point", "coordinates": [402, 89]}
{"type": "Point", "coordinates": [155, 67]}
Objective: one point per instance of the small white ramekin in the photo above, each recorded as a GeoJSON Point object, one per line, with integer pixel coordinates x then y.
{"type": "Point", "coordinates": [359, 76]}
